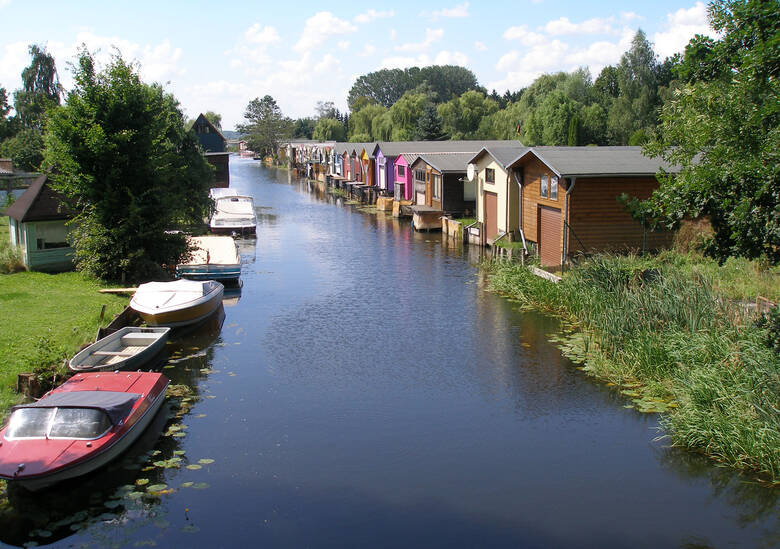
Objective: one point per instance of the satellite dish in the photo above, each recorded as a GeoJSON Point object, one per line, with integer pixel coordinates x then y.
{"type": "Point", "coordinates": [471, 171]}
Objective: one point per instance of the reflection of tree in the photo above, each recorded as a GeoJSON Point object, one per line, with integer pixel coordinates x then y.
{"type": "Point", "coordinates": [754, 502]}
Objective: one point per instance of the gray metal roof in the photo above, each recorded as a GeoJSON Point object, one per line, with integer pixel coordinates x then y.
{"type": "Point", "coordinates": [596, 161]}
{"type": "Point", "coordinates": [503, 155]}
{"type": "Point", "coordinates": [447, 162]}
{"type": "Point", "coordinates": [395, 148]}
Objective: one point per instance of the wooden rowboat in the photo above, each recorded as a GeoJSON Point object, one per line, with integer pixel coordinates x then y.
{"type": "Point", "coordinates": [127, 348]}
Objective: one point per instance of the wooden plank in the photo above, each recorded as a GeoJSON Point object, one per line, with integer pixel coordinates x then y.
{"type": "Point", "coordinates": [118, 290]}
{"type": "Point", "coordinates": [113, 353]}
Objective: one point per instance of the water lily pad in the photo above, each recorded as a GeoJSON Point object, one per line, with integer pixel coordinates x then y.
{"type": "Point", "coordinates": [200, 415]}
{"type": "Point", "coordinates": [44, 534]}
{"type": "Point", "coordinates": [112, 504]}
{"type": "Point", "coordinates": [190, 529]}
{"type": "Point", "coordinates": [206, 461]}
{"type": "Point", "coordinates": [156, 487]}
{"type": "Point", "coordinates": [194, 467]}
{"type": "Point", "coordinates": [179, 452]}
{"type": "Point", "coordinates": [76, 527]}
{"type": "Point", "coordinates": [200, 485]}
{"type": "Point", "coordinates": [179, 435]}
{"type": "Point", "coordinates": [147, 469]}
{"type": "Point", "coordinates": [161, 523]}
{"type": "Point", "coordinates": [187, 484]}
{"type": "Point", "coordinates": [142, 482]}
{"type": "Point", "coordinates": [135, 495]}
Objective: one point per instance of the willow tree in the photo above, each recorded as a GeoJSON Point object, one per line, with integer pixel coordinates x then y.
{"type": "Point", "coordinates": [119, 150]}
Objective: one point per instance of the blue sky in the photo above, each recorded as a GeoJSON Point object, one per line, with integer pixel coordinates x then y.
{"type": "Point", "coordinates": [219, 56]}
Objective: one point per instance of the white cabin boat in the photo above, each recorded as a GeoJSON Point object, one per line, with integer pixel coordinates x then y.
{"type": "Point", "coordinates": [213, 258]}
{"type": "Point", "coordinates": [234, 214]}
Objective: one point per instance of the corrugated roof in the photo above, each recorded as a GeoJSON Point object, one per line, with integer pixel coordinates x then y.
{"type": "Point", "coordinates": [447, 162]}
{"type": "Point", "coordinates": [595, 161]}
{"type": "Point", "coordinates": [39, 203]}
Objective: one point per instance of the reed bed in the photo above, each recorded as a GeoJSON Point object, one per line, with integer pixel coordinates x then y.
{"type": "Point", "coordinates": [675, 338]}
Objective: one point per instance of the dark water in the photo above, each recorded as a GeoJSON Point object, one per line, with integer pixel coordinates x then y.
{"type": "Point", "coordinates": [363, 390]}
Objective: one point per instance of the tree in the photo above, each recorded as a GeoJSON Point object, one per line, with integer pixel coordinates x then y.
{"type": "Point", "coordinates": [360, 123]}
{"type": "Point", "coordinates": [329, 129]}
{"type": "Point", "coordinates": [266, 127]}
{"type": "Point", "coordinates": [8, 124]}
{"type": "Point", "coordinates": [41, 89]}
{"type": "Point", "coordinates": [25, 149]}
{"type": "Point", "coordinates": [214, 118]}
{"type": "Point", "coordinates": [303, 128]}
{"type": "Point", "coordinates": [461, 116]}
{"type": "Point", "coordinates": [429, 126]}
{"type": "Point", "coordinates": [326, 109]}
{"type": "Point", "coordinates": [725, 134]}
{"type": "Point", "coordinates": [119, 151]}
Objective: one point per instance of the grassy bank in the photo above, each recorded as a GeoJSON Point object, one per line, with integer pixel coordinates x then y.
{"type": "Point", "coordinates": [45, 318]}
{"type": "Point", "coordinates": [673, 333]}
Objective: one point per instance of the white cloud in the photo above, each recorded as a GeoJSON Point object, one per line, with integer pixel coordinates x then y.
{"type": "Point", "coordinates": [4, 3]}
{"type": "Point", "coordinates": [261, 35]}
{"type": "Point", "coordinates": [461, 10]}
{"type": "Point", "coordinates": [431, 36]}
{"type": "Point", "coordinates": [393, 34]}
{"type": "Point", "coordinates": [630, 16]}
{"type": "Point", "coordinates": [401, 62]}
{"type": "Point", "coordinates": [480, 46]}
{"type": "Point", "coordinates": [525, 36]}
{"type": "Point", "coordinates": [372, 14]}
{"type": "Point", "coordinates": [343, 45]}
{"type": "Point", "coordinates": [522, 69]}
{"type": "Point", "coordinates": [13, 60]}
{"type": "Point", "coordinates": [451, 58]}
{"type": "Point", "coordinates": [599, 54]}
{"type": "Point", "coordinates": [319, 28]}
{"type": "Point", "coordinates": [368, 50]}
{"type": "Point", "coordinates": [563, 26]}
{"type": "Point", "coordinates": [680, 27]}
{"type": "Point", "coordinates": [328, 64]}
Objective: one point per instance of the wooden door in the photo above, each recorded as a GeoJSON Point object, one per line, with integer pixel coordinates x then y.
{"type": "Point", "coordinates": [549, 236]}
{"type": "Point", "coordinates": [491, 215]}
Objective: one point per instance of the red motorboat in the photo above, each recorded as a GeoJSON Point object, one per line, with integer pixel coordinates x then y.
{"type": "Point", "coordinates": [79, 426]}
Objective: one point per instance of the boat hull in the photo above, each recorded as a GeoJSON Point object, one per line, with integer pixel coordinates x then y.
{"type": "Point", "coordinates": [185, 314]}
{"type": "Point", "coordinates": [229, 273]}
{"type": "Point", "coordinates": [81, 362]}
{"type": "Point", "coordinates": [101, 459]}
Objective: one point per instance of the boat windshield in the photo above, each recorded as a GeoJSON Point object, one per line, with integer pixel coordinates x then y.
{"type": "Point", "coordinates": [77, 423]}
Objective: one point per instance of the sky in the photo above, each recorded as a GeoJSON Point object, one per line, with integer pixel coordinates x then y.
{"type": "Point", "coordinates": [219, 56]}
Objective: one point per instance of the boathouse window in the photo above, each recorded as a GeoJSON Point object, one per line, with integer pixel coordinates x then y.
{"type": "Point", "coordinates": [419, 175]}
{"type": "Point", "coordinates": [554, 188]}
{"type": "Point", "coordinates": [543, 186]}
{"type": "Point", "coordinates": [401, 171]}
{"type": "Point", "coordinates": [490, 175]}
{"type": "Point", "coordinates": [436, 186]}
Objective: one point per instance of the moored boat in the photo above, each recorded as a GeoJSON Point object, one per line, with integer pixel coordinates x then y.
{"type": "Point", "coordinates": [78, 427]}
{"type": "Point", "coordinates": [234, 215]}
{"type": "Point", "coordinates": [177, 303]}
{"type": "Point", "coordinates": [127, 348]}
{"type": "Point", "coordinates": [213, 258]}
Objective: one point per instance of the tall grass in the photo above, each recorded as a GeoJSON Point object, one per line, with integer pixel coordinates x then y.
{"type": "Point", "coordinates": [11, 260]}
{"type": "Point", "coordinates": [664, 325]}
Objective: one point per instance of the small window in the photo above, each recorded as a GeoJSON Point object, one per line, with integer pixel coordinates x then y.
{"type": "Point", "coordinates": [543, 187]}
{"type": "Point", "coordinates": [401, 171]}
{"type": "Point", "coordinates": [554, 188]}
{"type": "Point", "coordinates": [490, 175]}
{"type": "Point", "coordinates": [419, 175]}
{"type": "Point", "coordinates": [437, 187]}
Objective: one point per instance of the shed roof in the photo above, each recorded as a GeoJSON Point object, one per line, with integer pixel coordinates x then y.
{"type": "Point", "coordinates": [446, 162]}
{"type": "Point", "coordinates": [503, 155]}
{"type": "Point", "coordinates": [396, 148]}
{"type": "Point", "coordinates": [597, 161]}
{"type": "Point", "coordinates": [39, 203]}
{"type": "Point", "coordinates": [202, 118]}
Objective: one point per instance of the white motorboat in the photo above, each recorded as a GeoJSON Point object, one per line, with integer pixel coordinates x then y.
{"type": "Point", "coordinates": [178, 303]}
{"type": "Point", "coordinates": [234, 214]}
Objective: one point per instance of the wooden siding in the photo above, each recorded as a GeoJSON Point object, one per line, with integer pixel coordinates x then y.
{"type": "Point", "coordinates": [490, 215]}
{"type": "Point", "coordinates": [533, 170]}
{"type": "Point", "coordinates": [599, 222]}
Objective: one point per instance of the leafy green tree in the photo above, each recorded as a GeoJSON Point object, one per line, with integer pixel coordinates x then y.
{"type": "Point", "coordinates": [725, 134]}
{"type": "Point", "coordinates": [119, 151]}
{"type": "Point", "coordinates": [329, 129]}
{"type": "Point", "coordinates": [461, 116]}
{"type": "Point", "coordinates": [266, 125]}
{"type": "Point", "coordinates": [405, 113]}
{"type": "Point", "coordinates": [7, 128]}
{"type": "Point", "coordinates": [361, 123]}
{"type": "Point", "coordinates": [25, 149]}
{"type": "Point", "coordinates": [303, 128]}
{"type": "Point", "coordinates": [429, 126]}
{"type": "Point", "coordinates": [41, 89]}
{"type": "Point", "coordinates": [214, 118]}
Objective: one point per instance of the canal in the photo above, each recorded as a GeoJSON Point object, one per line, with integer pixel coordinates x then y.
{"type": "Point", "coordinates": [364, 390]}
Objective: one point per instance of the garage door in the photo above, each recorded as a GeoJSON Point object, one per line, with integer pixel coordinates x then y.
{"type": "Point", "coordinates": [549, 236]}
{"type": "Point", "coordinates": [491, 215]}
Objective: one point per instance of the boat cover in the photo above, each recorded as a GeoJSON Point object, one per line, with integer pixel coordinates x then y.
{"type": "Point", "coordinates": [213, 250]}
{"type": "Point", "coordinates": [115, 404]}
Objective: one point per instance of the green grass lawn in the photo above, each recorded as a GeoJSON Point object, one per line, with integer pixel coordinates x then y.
{"type": "Point", "coordinates": [46, 318]}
